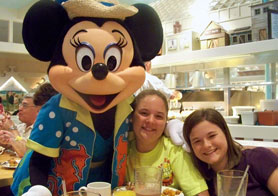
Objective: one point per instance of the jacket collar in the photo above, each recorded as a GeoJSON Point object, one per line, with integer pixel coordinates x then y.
{"type": "Point", "coordinates": [83, 115]}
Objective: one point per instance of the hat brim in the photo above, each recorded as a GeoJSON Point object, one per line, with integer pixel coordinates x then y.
{"type": "Point", "coordinates": [86, 8]}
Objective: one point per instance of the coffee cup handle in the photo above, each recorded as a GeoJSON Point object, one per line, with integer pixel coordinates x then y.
{"type": "Point", "coordinates": [83, 188]}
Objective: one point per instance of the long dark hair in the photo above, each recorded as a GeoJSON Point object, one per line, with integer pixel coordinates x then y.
{"type": "Point", "coordinates": [213, 116]}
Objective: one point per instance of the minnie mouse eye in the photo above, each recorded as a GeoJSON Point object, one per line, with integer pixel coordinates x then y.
{"type": "Point", "coordinates": [85, 58]}
{"type": "Point", "coordinates": [113, 57]}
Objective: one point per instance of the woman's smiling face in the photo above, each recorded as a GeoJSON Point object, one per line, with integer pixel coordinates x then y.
{"type": "Point", "coordinates": [209, 144]}
{"type": "Point", "coordinates": [149, 120]}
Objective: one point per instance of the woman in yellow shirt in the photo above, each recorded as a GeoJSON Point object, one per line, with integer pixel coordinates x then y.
{"type": "Point", "coordinates": [151, 148]}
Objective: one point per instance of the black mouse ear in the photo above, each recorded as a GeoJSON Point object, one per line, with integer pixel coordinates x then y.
{"type": "Point", "coordinates": [147, 30]}
{"type": "Point", "coordinates": [42, 26]}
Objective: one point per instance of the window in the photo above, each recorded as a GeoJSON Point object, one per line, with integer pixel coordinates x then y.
{"type": "Point", "coordinates": [242, 39]}
{"type": "Point", "coordinates": [265, 9]}
{"type": "Point", "coordinates": [235, 39]}
{"type": "Point", "coordinates": [249, 37]}
{"type": "Point", "coordinates": [262, 34]}
{"type": "Point", "coordinates": [4, 31]}
{"type": "Point", "coordinates": [212, 43]}
{"type": "Point", "coordinates": [257, 11]}
{"type": "Point", "coordinates": [17, 33]}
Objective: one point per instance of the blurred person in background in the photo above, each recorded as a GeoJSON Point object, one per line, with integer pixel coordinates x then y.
{"type": "Point", "coordinates": [10, 100]}
{"type": "Point", "coordinates": [16, 102]}
{"type": "Point", "coordinates": [2, 110]}
{"type": "Point", "coordinates": [15, 136]}
{"type": "Point", "coordinates": [43, 94]}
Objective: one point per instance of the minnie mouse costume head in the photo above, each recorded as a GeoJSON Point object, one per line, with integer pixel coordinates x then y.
{"type": "Point", "coordinates": [96, 50]}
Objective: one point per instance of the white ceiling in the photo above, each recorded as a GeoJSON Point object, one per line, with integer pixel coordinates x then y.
{"type": "Point", "coordinates": [15, 4]}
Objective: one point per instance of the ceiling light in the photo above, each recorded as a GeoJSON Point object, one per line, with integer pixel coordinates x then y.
{"type": "Point", "coordinates": [9, 85]}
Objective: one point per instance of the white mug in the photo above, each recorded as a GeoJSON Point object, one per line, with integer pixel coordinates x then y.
{"type": "Point", "coordinates": [102, 188]}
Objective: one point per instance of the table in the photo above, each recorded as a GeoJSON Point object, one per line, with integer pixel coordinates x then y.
{"type": "Point", "coordinates": [6, 175]}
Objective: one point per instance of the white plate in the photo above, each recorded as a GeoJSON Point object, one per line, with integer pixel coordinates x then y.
{"type": "Point", "coordinates": [7, 165]}
{"type": "Point", "coordinates": [123, 188]}
{"type": "Point", "coordinates": [167, 187]}
{"type": "Point", "coordinates": [2, 150]}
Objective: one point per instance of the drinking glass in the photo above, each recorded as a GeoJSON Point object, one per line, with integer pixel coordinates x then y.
{"type": "Point", "coordinates": [148, 181]}
{"type": "Point", "coordinates": [229, 181]}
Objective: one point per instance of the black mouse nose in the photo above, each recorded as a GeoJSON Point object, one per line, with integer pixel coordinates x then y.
{"type": "Point", "coordinates": [99, 71]}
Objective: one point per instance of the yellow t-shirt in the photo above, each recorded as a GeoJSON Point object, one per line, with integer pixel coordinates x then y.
{"type": "Point", "coordinates": [178, 169]}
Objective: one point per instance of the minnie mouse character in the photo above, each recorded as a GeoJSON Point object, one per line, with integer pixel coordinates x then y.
{"type": "Point", "coordinates": [96, 50]}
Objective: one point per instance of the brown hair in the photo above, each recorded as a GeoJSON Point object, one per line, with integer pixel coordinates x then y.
{"type": "Point", "coordinates": [213, 116]}
{"type": "Point", "coordinates": [43, 94]}
{"type": "Point", "coordinates": [147, 92]}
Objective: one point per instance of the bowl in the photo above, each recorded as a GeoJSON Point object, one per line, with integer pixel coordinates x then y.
{"type": "Point", "coordinates": [237, 110]}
